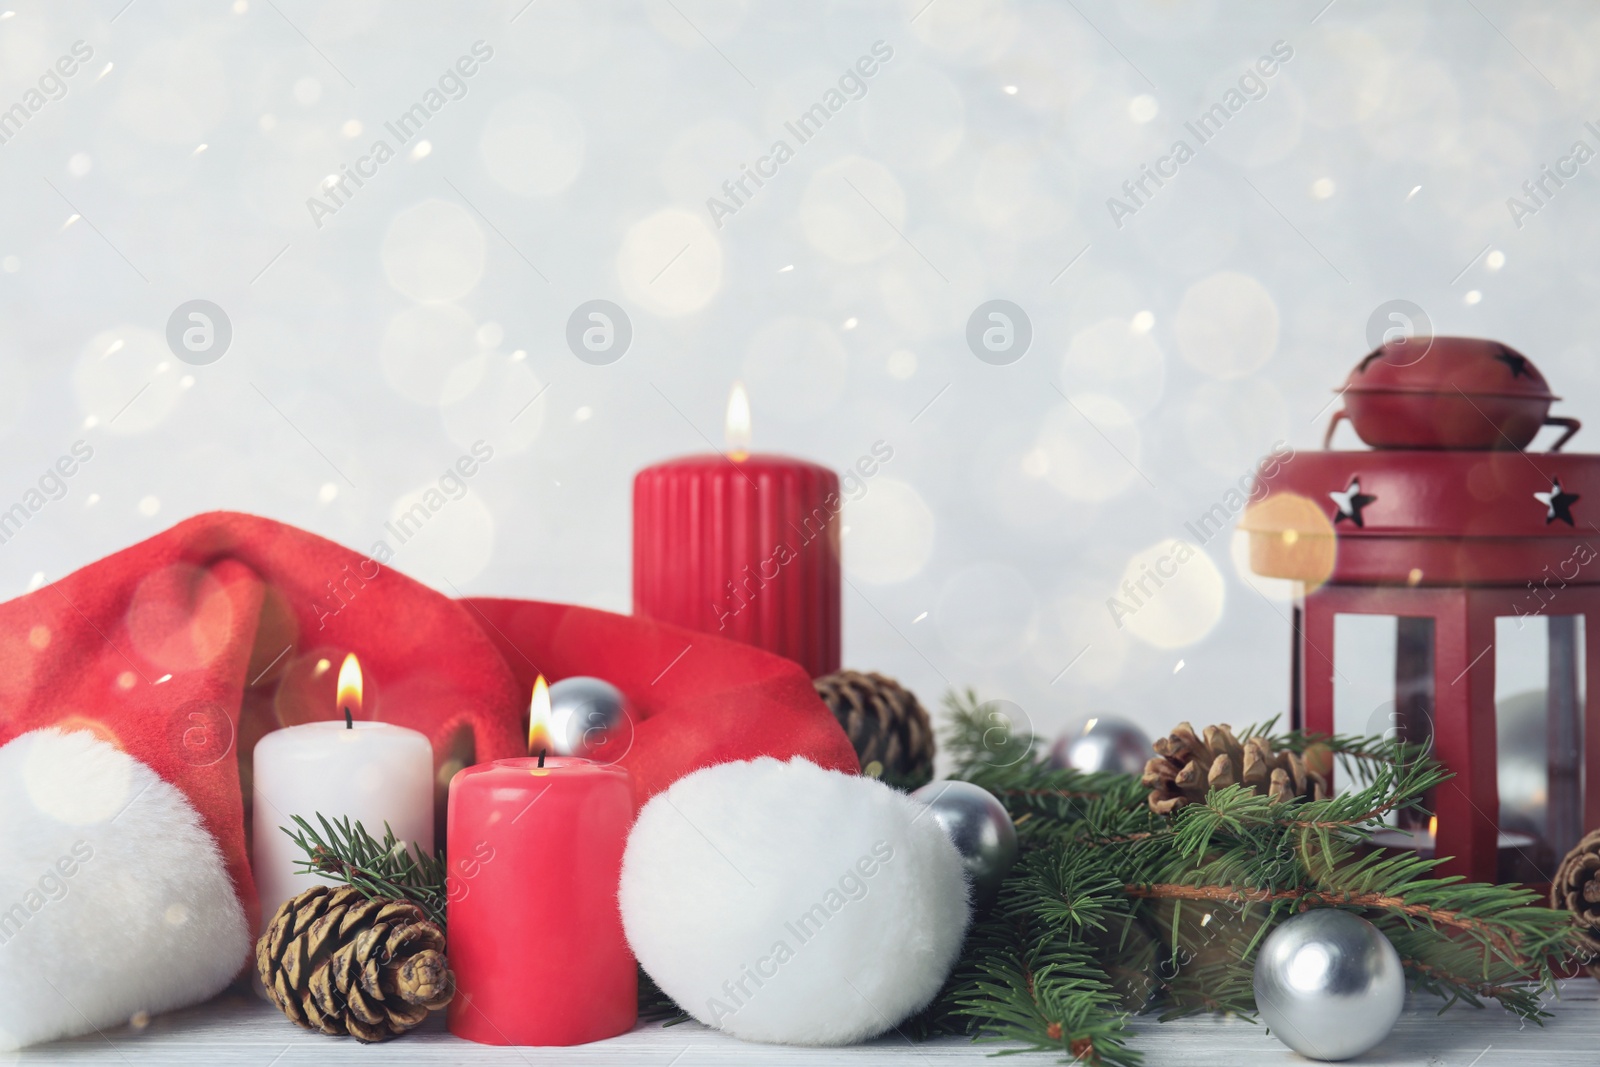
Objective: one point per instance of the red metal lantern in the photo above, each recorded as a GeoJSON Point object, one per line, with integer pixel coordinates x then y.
{"type": "Point", "coordinates": [1447, 525]}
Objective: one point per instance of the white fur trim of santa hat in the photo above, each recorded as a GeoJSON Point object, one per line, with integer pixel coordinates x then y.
{"type": "Point", "coordinates": [114, 900]}
{"type": "Point", "coordinates": [785, 903]}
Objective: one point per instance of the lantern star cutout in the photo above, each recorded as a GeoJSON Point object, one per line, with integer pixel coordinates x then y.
{"type": "Point", "coordinates": [1351, 502]}
{"type": "Point", "coordinates": [1518, 364]}
{"type": "Point", "coordinates": [1558, 502]}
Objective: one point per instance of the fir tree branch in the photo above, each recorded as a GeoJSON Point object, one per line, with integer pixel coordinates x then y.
{"type": "Point", "coordinates": [1061, 959]}
{"type": "Point", "coordinates": [389, 868]}
{"type": "Point", "coordinates": [1314, 898]}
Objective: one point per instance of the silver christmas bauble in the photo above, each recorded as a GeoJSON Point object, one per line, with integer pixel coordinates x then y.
{"type": "Point", "coordinates": [589, 717]}
{"type": "Point", "coordinates": [980, 828]}
{"type": "Point", "coordinates": [1102, 744]}
{"type": "Point", "coordinates": [1329, 984]}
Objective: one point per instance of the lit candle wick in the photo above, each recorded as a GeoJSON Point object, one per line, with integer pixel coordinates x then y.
{"type": "Point", "coordinates": [539, 719]}
{"type": "Point", "coordinates": [348, 694]}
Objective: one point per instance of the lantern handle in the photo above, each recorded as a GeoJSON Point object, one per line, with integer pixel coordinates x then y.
{"type": "Point", "coordinates": [1341, 415]}
{"type": "Point", "coordinates": [1572, 425]}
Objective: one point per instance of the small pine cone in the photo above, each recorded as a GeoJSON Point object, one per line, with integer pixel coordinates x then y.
{"type": "Point", "coordinates": [1577, 889]}
{"type": "Point", "coordinates": [1189, 765]}
{"type": "Point", "coordinates": [1257, 763]}
{"type": "Point", "coordinates": [885, 723]}
{"type": "Point", "coordinates": [1221, 775]}
{"type": "Point", "coordinates": [335, 961]}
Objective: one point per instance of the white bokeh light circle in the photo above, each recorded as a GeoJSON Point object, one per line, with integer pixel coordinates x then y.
{"type": "Point", "coordinates": [1227, 325]}
{"type": "Point", "coordinates": [1090, 447]}
{"type": "Point", "coordinates": [293, 156]}
{"type": "Point", "coordinates": [1102, 132]}
{"type": "Point", "coordinates": [180, 618]}
{"type": "Point", "coordinates": [839, 211]}
{"type": "Point", "coordinates": [1278, 590]}
{"type": "Point", "coordinates": [1079, 644]}
{"type": "Point", "coordinates": [976, 32]}
{"type": "Point", "coordinates": [450, 540]}
{"type": "Point", "coordinates": [891, 532]}
{"type": "Point", "coordinates": [1565, 57]}
{"type": "Point", "coordinates": [1016, 190]}
{"type": "Point", "coordinates": [533, 144]}
{"type": "Point", "coordinates": [912, 307]}
{"type": "Point", "coordinates": [1115, 358]}
{"type": "Point", "coordinates": [498, 399]}
{"type": "Point", "coordinates": [1349, 88]}
{"type": "Point", "coordinates": [1053, 65]}
{"type": "Point", "coordinates": [21, 48]}
{"type": "Point", "coordinates": [434, 250]}
{"type": "Point", "coordinates": [1171, 595]}
{"type": "Point", "coordinates": [671, 262]}
{"type": "Point", "coordinates": [1013, 481]}
{"type": "Point", "coordinates": [795, 367]}
{"type": "Point", "coordinates": [1230, 426]}
{"type": "Point", "coordinates": [987, 613]}
{"type": "Point", "coordinates": [174, 92]}
{"type": "Point", "coordinates": [126, 380]}
{"type": "Point", "coordinates": [423, 350]}
{"type": "Point", "coordinates": [1419, 114]}
{"type": "Point", "coordinates": [916, 118]}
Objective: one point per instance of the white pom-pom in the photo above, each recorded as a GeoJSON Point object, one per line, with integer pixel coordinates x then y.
{"type": "Point", "coordinates": [781, 902]}
{"type": "Point", "coordinates": [113, 897]}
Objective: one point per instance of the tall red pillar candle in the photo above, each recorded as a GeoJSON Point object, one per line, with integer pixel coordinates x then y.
{"type": "Point", "coordinates": [744, 546]}
{"type": "Point", "coordinates": [535, 935]}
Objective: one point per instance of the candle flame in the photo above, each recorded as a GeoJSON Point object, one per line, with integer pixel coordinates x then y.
{"type": "Point", "coordinates": [1433, 826]}
{"type": "Point", "coordinates": [737, 427]}
{"type": "Point", "coordinates": [539, 735]}
{"type": "Point", "coordinates": [349, 699]}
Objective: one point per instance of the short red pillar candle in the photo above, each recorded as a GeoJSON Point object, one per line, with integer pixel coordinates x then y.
{"type": "Point", "coordinates": [535, 935]}
{"type": "Point", "coordinates": [744, 546]}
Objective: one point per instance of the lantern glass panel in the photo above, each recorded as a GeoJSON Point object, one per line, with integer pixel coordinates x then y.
{"type": "Point", "coordinates": [1384, 683]}
{"type": "Point", "coordinates": [1363, 674]}
{"type": "Point", "coordinates": [1539, 696]}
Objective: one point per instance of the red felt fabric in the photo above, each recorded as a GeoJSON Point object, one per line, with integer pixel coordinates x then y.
{"type": "Point", "coordinates": [185, 649]}
{"type": "Point", "coordinates": [700, 699]}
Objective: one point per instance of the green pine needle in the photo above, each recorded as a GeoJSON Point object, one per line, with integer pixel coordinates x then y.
{"type": "Point", "coordinates": [389, 868]}
{"type": "Point", "coordinates": [1113, 910]}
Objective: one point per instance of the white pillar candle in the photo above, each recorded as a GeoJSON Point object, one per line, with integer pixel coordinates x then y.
{"type": "Point", "coordinates": [369, 772]}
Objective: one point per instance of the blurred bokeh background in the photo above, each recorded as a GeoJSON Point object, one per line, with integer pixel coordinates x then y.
{"type": "Point", "coordinates": [1172, 346]}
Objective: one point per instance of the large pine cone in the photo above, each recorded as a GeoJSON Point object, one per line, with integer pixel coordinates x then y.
{"type": "Point", "coordinates": [1187, 767]}
{"type": "Point", "coordinates": [1577, 889]}
{"type": "Point", "coordinates": [335, 961]}
{"type": "Point", "coordinates": [885, 723]}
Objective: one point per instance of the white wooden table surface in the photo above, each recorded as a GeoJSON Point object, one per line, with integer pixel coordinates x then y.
{"type": "Point", "coordinates": [235, 1030]}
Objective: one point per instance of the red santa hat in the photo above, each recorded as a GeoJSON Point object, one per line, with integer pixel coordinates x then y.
{"type": "Point", "coordinates": [132, 693]}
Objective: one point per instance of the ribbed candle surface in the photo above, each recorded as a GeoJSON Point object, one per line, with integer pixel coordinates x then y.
{"type": "Point", "coordinates": [746, 548]}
